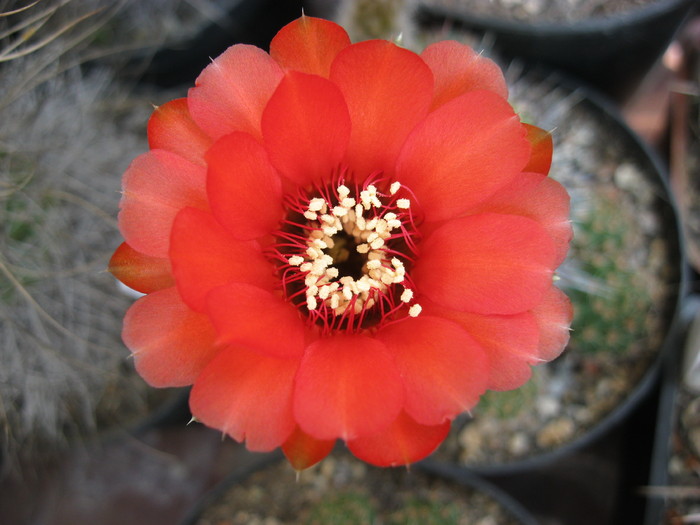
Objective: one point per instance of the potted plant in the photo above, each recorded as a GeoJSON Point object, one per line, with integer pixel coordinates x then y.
{"type": "Point", "coordinates": [607, 44]}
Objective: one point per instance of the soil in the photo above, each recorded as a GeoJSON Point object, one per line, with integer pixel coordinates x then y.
{"type": "Point", "coordinates": [341, 490]}
{"type": "Point", "coordinates": [541, 11]}
{"type": "Point", "coordinates": [621, 274]}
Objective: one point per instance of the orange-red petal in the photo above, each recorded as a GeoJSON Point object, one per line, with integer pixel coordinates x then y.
{"type": "Point", "coordinates": [231, 92]}
{"type": "Point", "coordinates": [248, 396]}
{"type": "Point", "coordinates": [245, 191]}
{"type": "Point", "coordinates": [309, 45]}
{"type": "Point", "coordinates": [246, 315]}
{"type": "Point", "coordinates": [510, 342]}
{"type": "Point", "coordinates": [204, 255]}
{"type": "Point", "coordinates": [457, 68]}
{"type": "Point", "coordinates": [140, 272]}
{"type": "Point", "coordinates": [156, 186]}
{"type": "Point", "coordinates": [487, 263]}
{"type": "Point", "coordinates": [171, 128]}
{"type": "Point", "coordinates": [554, 315]}
{"type": "Point", "coordinates": [347, 386]}
{"type": "Point", "coordinates": [388, 91]}
{"type": "Point", "coordinates": [304, 451]}
{"type": "Point", "coordinates": [542, 147]}
{"type": "Point", "coordinates": [540, 198]}
{"type": "Point", "coordinates": [171, 343]}
{"type": "Point", "coordinates": [462, 153]}
{"type": "Point", "coordinates": [306, 127]}
{"type": "Point", "coordinates": [404, 442]}
{"type": "Point", "coordinates": [443, 369]}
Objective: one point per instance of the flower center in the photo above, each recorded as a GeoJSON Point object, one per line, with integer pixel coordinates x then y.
{"type": "Point", "coordinates": [343, 256]}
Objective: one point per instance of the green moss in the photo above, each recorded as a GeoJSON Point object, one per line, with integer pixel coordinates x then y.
{"type": "Point", "coordinates": [425, 512]}
{"type": "Point", "coordinates": [505, 405]}
{"type": "Point", "coordinates": [343, 508]}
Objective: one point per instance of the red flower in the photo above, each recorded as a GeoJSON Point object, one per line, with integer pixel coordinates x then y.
{"type": "Point", "coordinates": [342, 241]}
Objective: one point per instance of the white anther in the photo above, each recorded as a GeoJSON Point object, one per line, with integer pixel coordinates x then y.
{"type": "Point", "coordinates": [362, 248]}
{"type": "Point", "coordinates": [395, 186]}
{"type": "Point", "coordinates": [347, 202]}
{"type": "Point", "coordinates": [374, 283]}
{"type": "Point", "coordinates": [339, 211]}
{"type": "Point", "coordinates": [318, 268]}
{"type": "Point", "coordinates": [316, 204]}
{"type": "Point", "coordinates": [324, 292]}
{"type": "Point", "coordinates": [374, 264]}
{"type": "Point", "coordinates": [404, 204]}
{"type": "Point", "coordinates": [311, 302]}
{"type": "Point", "coordinates": [311, 215]}
{"type": "Point", "coordinates": [319, 243]}
{"type": "Point", "coordinates": [296, 260]}
{"type": "Point", "coordinates": [312, 290]}
{"type": "Point", "coordinates": [306, 267]}
{"type": "Point", "coordinates": [407, 295]}
{"type": "Point", "coordinates": [332, 272]}
{"type": "Point", "coordinates": [313, 252]}
{"type": "Point", "coordinates": [415, 310]}
{"type": "Point", "coordinates": [363, 284]}
{"type": "Point", "coordinates": [343, 191]}
{"type": "Point", "coordinates": [347, 292]}
{"type": "Point", "coordinates": [377, 243]}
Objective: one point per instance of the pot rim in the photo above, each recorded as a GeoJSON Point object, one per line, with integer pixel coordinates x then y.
{"type": "Point", "coordinates": [448, 473]}
{"type": "Point", "coordinates": [615, 22]}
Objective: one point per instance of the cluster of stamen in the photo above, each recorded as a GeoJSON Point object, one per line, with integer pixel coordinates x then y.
{"type": "Point", "coordinates": [362, 230]}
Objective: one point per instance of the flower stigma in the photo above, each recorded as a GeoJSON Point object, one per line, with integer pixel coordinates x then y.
{"type": "Point", "coordinates": [344, 252]}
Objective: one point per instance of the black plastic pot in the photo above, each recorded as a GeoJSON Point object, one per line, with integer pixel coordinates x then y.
{"type": "Point", "coordinates": [508, 507]}
{"type": "Point", "coordinates": [612, 53]}
{"type": "Point", "coordinates": [667, 415]}
{"type": "Point", "coordinates": [469, 479]}
{"type": "Point", "coordinates": [252, 22]}
{"type": "Point", "coordinates": [644, 387]}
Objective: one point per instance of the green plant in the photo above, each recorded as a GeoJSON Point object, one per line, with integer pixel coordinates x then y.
{"type": "Point", "coordinates": [344, 508]}
{"type": "Point", "coordinates": [420, 511]}
{"type": "Point", "coordinates": [614, 316]}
